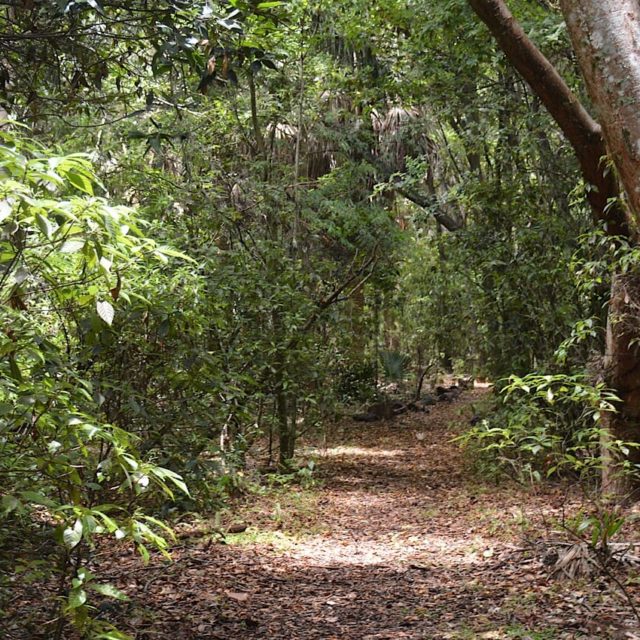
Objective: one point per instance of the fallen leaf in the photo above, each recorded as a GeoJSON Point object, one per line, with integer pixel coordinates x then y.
{"type": "Point", "coordinates": [238, 596]}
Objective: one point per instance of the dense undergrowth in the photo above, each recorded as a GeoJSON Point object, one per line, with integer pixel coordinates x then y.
{"type": "Point", "coordinates": [223, 226]}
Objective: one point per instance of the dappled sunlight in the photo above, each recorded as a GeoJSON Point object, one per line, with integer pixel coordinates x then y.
{"type": "Point", "coordinates": [393, 540]}
{"type": "Point", "coordinates": [308, 332]}
{"type": "Point", "coordinates": [394, 547]}
{"type": "Point", "coordinates": [352, 451]}
{"type": "Point", "coordinates": [277, 540]}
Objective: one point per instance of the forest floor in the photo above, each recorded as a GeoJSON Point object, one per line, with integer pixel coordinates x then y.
{"type": "Point", "coordinates": [394, 538]}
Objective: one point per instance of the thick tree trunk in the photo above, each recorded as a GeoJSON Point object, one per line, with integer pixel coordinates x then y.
{"type": "Point", "coordinates": [606, 38]}
{"type": "Point", "coordinates": [622, 373]}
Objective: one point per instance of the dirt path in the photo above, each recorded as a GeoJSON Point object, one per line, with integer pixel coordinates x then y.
{"type": "Point", "coordinates": [397, 542]}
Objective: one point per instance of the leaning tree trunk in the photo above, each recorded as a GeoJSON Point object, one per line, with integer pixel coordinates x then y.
{"type": "Point", "coordinates": [581, 130]}
{"type": "Point", "coordinates": [606, 38]}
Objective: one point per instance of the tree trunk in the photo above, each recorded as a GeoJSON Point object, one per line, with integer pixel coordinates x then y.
{"type": "Point", "coordinates": [287, 415]}
{"type": "Point", "coordinates": [606, 38]}
{"type": "Point", "coordinates": [580, 129]}
{"type": "Point", "coordinates": [622, 373]}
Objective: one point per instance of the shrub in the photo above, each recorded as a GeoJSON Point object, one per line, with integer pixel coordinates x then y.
{"type": "Point", "coordinates": [64, 259]}
{"type": "Point", "coordinates": [545, 425]}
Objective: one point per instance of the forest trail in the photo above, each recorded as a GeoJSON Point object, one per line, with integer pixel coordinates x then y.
{"type": "Point", "coordinates": [396, 541]}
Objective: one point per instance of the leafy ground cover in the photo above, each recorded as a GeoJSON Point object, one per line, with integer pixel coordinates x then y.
{"type": "Point", "coordinates": [394, 538]}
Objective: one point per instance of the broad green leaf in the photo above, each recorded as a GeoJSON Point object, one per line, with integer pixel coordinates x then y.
{"type": "Point", "coordinates": [72, 246]}
{"type": "Point", "coordinates": [80, 181]}
{"type": "Point", "coordinates": [77, 597]}
{"type": "Point", "coordinates": [16, 373]}
{"type": "Point", "coordinates": [5, 210]}
{"type": "Point", "coordinates": [72, 535]}
{"type": "Point", "coordinates": [37, 498]}
{"type": "Point", "coordinates": [44, 225]}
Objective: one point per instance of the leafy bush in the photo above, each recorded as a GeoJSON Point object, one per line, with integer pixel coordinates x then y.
{"type": "Point", "coordinates": [597, 528]}
{"type": "Point", "coordinates": [64, 259]}
{"type": "Point", "coordinates": [545, 425]}
{"type": "Point", "coordinates": [395, 365]}
{"type": "Point", "coordinates": [356, 381]}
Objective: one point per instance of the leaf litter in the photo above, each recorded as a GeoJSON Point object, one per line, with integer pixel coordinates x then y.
{"type": "Point", "coordinates": [397, 540]}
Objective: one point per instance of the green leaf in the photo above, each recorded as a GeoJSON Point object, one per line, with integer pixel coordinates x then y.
{"type": "Point", "coordinates": [584, 525]}
{"type": "Point", "coordinates": [110, 591]}
{"type": "Point", "coordinates": [168, 251]}
{"type": "Point", "coordinates": [16, 373]}
{"type": "Point", "coordinates": [80, 181]}
{"type": "Point", "coordinates": [166, 474]}
{"type": "Point", "coordinates": [5, 210]}
{"type": "Point", "coordinates": [44, 225]}
{"type": "Point", "coordinates": [77, 597]}
{"type": "Point", "coordinates": [143, 551]}
{"type": "Point", "coordinates": [72, 246]}
{"type": "Point", "coordinates": [37, 498]}
{"type": "Point", "coordinates": [72, 535]}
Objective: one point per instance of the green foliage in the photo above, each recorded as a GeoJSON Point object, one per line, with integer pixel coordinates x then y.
{"type": "Point", "coordinates": [304, 476]}
{"type": "Point", "coordinates": [63, 254]}
{"type": "Point", "coordinates": [310, 161]}
{"type": "Point", "coordinates": [355, 381]}
{"type": "Point", "coordinates": [394, 365]}
{"type": "Point", "coordinates": [597, 528]}
{"type": "Point", "coordinates": [545, 425]}
{"type": "Point", "coordinates": [92, 54]}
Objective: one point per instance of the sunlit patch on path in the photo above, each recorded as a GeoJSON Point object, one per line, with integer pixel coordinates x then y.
{"type": "Point", "coordinates": [371, 452]}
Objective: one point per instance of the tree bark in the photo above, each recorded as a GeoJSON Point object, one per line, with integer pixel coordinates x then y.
{"type": "Point", "coordinates": [606, 38]}
{"type": "Point", "coordinates": [622, 372]}
{"type": "Point", "coordinates": [581, 130]}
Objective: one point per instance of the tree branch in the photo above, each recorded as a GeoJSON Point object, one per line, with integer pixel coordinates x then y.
{"type": "Point", "coordinates": [581, 130]}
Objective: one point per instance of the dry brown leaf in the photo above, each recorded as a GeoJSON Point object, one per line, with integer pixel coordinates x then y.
{"type": "Point", "coordinates": [238, 596]}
